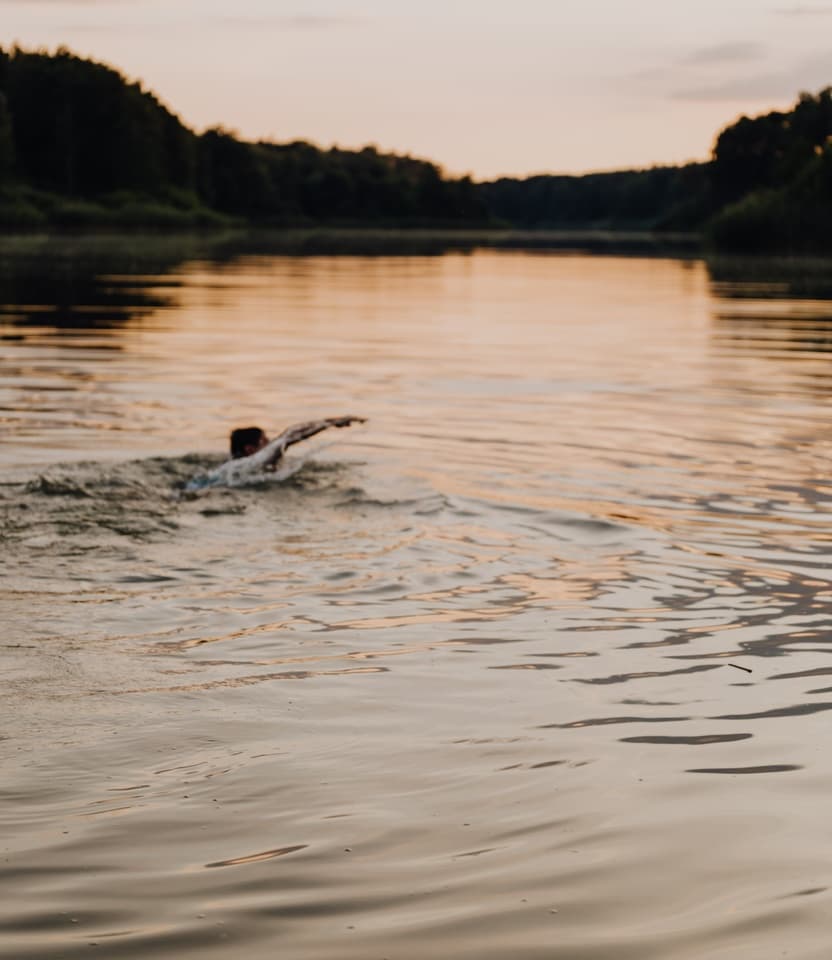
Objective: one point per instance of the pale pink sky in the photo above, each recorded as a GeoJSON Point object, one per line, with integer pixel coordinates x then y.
{"type": "Point", "coordinates": [478, 86]}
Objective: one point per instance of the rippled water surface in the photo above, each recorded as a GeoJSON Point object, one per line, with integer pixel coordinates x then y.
{"type": "Point", "coordinates": [533, 665]}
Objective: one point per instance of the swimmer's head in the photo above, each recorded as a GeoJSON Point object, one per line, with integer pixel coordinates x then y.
{"type": "Point", "coordinates": [247, 440]}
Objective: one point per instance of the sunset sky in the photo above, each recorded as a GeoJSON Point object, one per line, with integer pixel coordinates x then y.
{"type": "Point", "coordinates": [478, 86]}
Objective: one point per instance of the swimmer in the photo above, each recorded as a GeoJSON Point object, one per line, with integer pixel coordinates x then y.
{"type": "Point", "coordinates": [252, 452]}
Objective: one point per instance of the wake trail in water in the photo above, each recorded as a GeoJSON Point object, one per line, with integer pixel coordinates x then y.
{"type": "Point", "coordinates": [81, 507]}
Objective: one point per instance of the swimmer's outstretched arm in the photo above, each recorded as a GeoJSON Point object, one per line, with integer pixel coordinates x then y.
{"type": "Point", "coordinates": [302, 431]}
{"type": "Point", "coordinates": [273, 451]}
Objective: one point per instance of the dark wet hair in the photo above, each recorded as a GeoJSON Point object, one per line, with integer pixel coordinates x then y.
{"type": "Point", "coordinates": [244, 437]}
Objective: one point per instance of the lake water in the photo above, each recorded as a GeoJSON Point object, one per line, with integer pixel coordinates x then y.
{"type": "Point", "coordinates": [535, 664]}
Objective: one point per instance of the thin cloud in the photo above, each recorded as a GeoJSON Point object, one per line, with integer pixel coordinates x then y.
{"type": "Point", "coordinates": [725, 53]}
{"type": "Point", "coordinates": [699, 66]}
{"type": "Point", "coordinates": [811, 74]}
{"type": "Point", "coordinates": [308, 22]}
{"type": "Point", "coordinates": [296, 22]}
{"type": "Point", "coordinates": [803, 10]}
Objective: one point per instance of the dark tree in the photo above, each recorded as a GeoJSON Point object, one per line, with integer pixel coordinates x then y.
{"type": "Point", "coordinates": [6, 142]}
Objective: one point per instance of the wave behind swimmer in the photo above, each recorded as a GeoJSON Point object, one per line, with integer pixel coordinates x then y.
{"type": "Point", "coordinates": [255, 458]}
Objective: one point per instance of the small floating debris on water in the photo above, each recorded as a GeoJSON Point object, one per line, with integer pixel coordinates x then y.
{"type": "Point", "coordinates": [736, 666]}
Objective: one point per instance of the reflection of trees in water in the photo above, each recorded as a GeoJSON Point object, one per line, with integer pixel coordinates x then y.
{"type": "Point", "coordinates": [774, 278]}
{"type": "Point", "coordinates": [103, 281]}
{"type": "Point", "coordinates": [95, 283]}
{"type": "Point", "coordinates": [768, 305]}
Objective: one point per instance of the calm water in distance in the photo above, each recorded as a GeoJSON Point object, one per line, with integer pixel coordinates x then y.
{"type": "Point", "coordinates": [536, 664]}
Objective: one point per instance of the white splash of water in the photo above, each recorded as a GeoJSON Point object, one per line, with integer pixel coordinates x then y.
{"type": "Point", "coordinates": [241, 473]}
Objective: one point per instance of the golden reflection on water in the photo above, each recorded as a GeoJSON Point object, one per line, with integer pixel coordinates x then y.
{"type": "Point", "coordinates": [533, 610]}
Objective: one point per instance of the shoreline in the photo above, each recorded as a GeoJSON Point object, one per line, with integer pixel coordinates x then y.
{"type": "Point", "coordinates": [337, 236]}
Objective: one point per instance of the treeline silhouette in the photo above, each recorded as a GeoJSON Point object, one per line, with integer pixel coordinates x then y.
{"type": "Point", "coordinates": [767, 187]}
{"type": "Point", "coordinates": [81, 146]}
{"type": "Point", "coordinates": [772, 180]}
{"type": "Point", "coordinates": [661, 198]}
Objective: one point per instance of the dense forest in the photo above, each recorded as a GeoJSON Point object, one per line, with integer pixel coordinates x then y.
{"type": "Point", "coordinates": [81, 146]}
{"type": "Point", "coordinates": [768, 186]}
{"type": "Point", "coordinates": [661, 198]}
{"type": "Point", "coordinates": [771, 179]}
